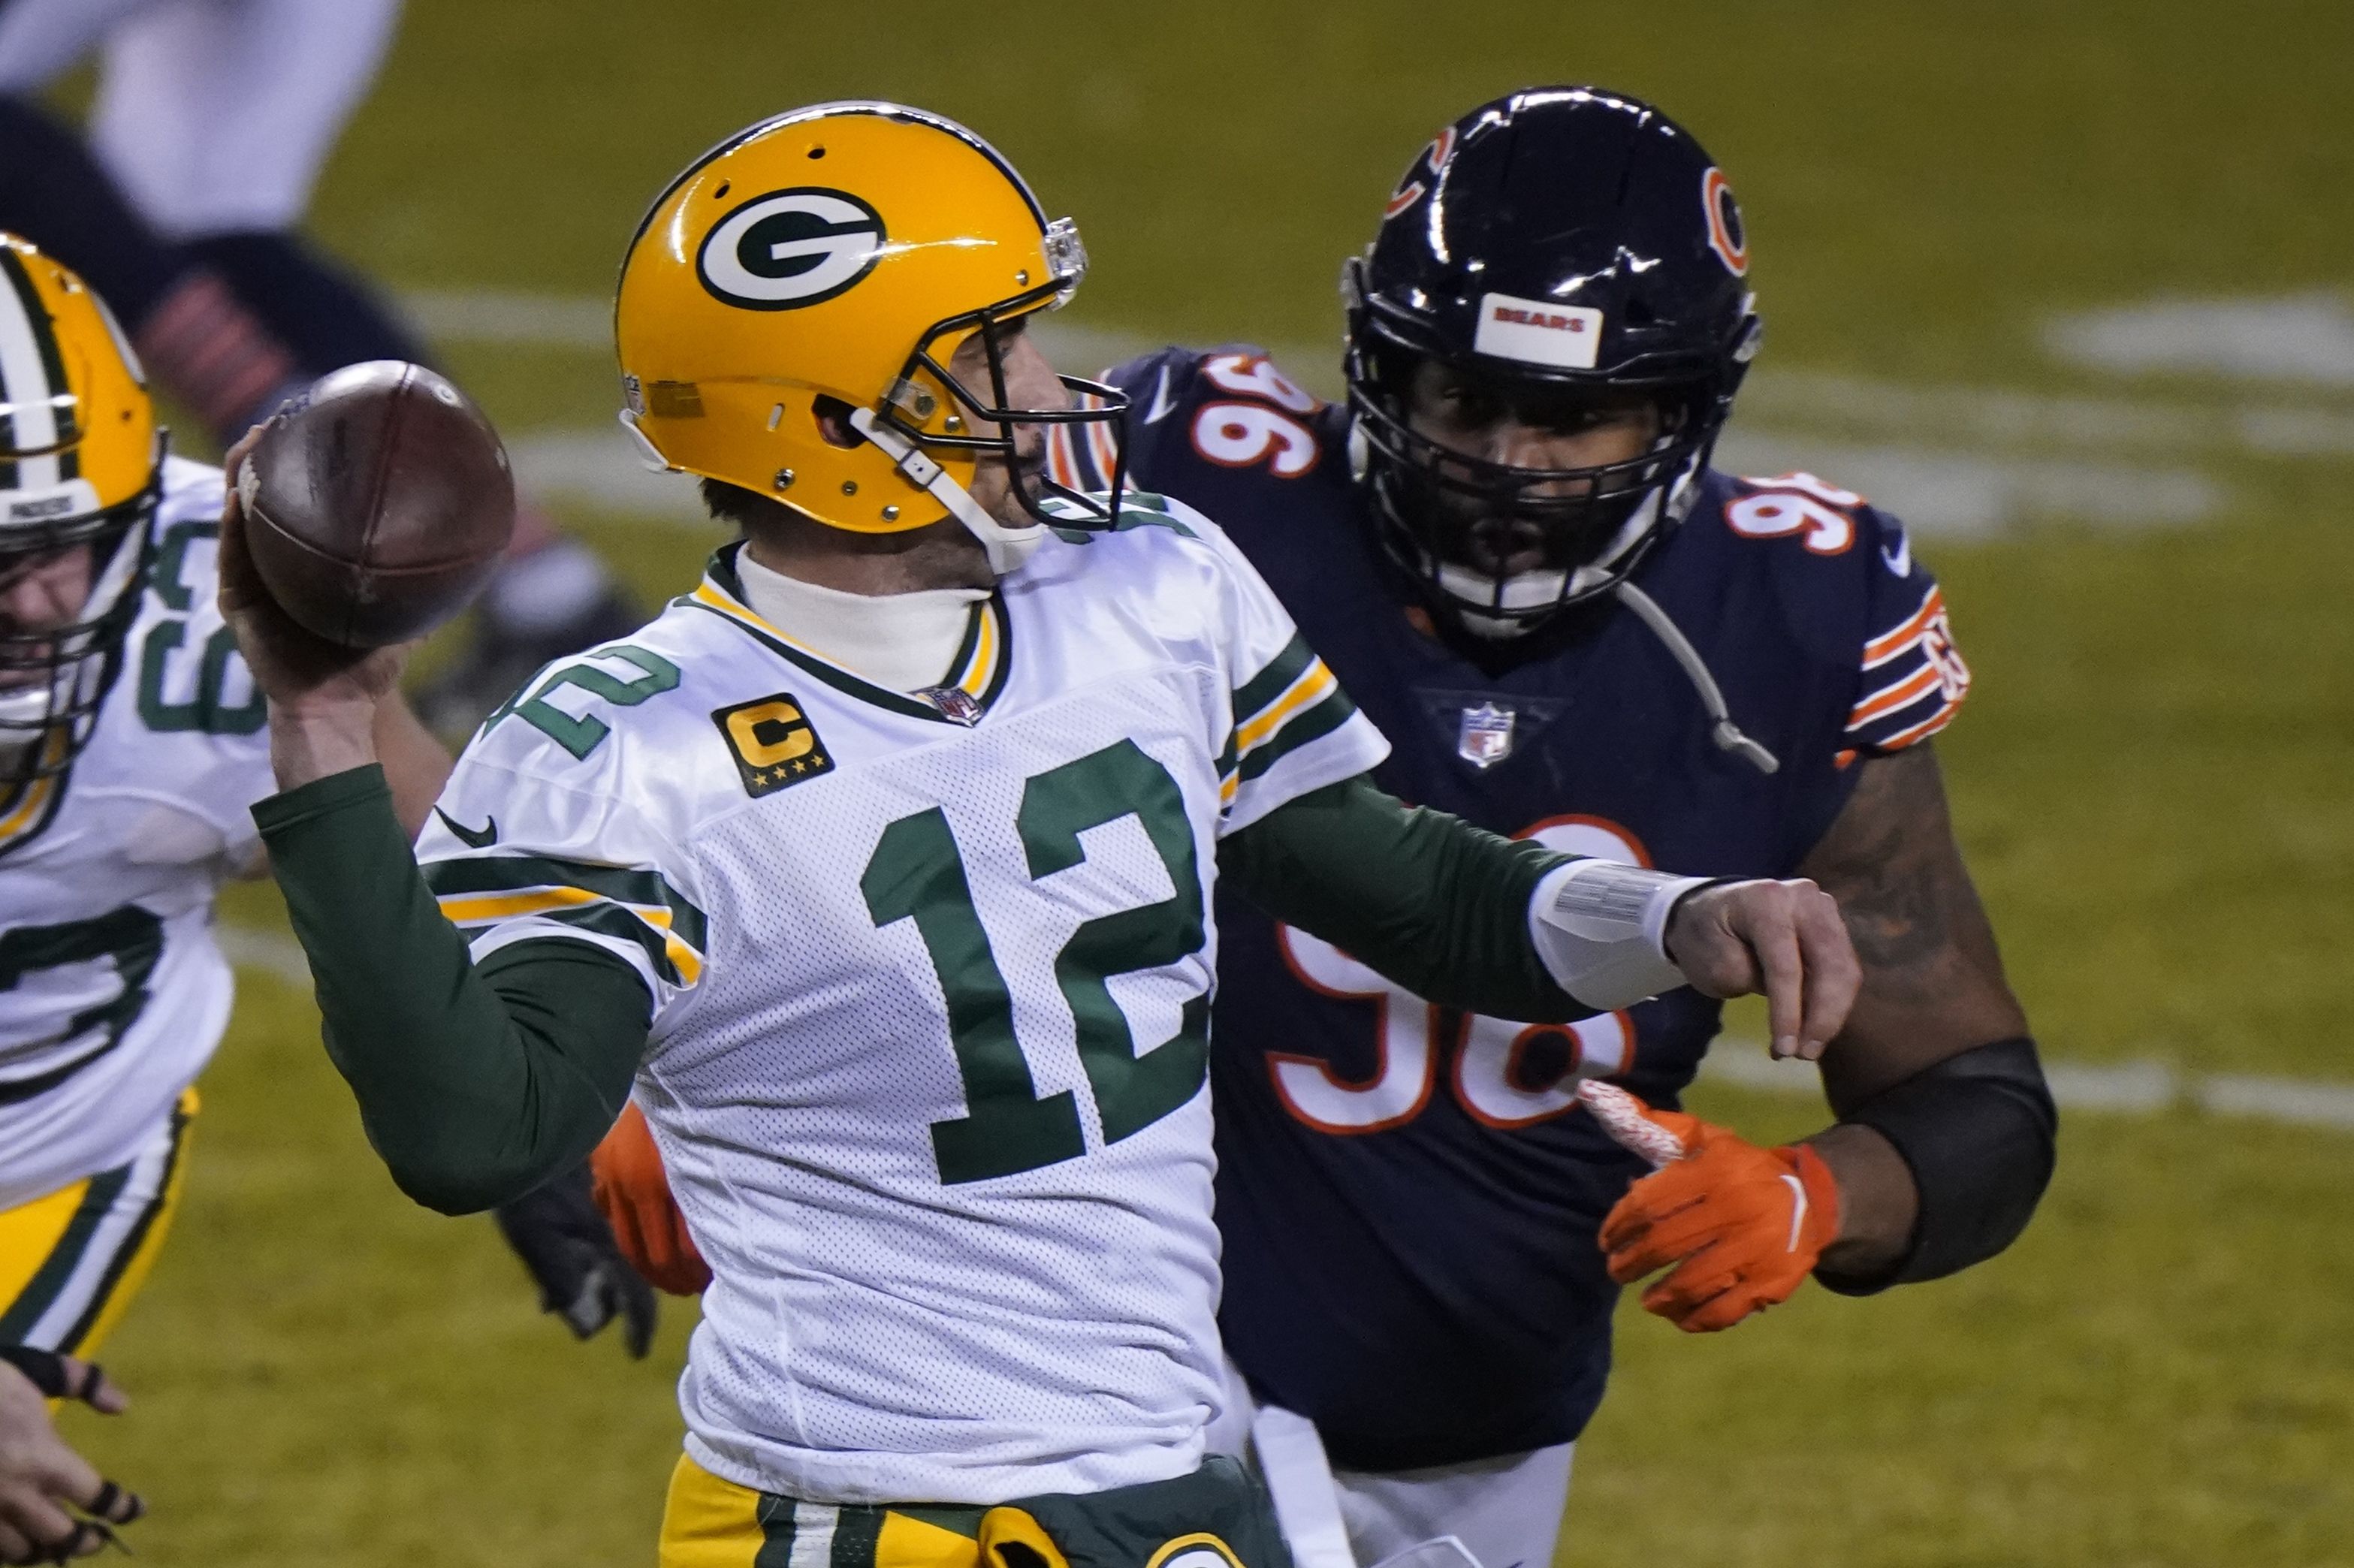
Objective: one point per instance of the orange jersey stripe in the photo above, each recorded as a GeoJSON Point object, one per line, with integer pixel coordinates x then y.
{"type": "Point", "coordinates": [1888, 645]}
{"type": "Point", "coordinates": [1888, 699]}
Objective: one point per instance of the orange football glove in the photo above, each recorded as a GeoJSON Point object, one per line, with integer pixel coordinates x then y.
{"type": "Point", "coordinates": [633, 1193]}
{"type": "Point", "coordinates": [1740, 1225]}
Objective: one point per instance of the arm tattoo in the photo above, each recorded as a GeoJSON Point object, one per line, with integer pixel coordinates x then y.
{"type": "Point", "coordinates": [1933, 978]}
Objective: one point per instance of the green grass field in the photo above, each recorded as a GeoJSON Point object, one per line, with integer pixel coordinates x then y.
{"type": "Point", "coordinates": [2151, 779]}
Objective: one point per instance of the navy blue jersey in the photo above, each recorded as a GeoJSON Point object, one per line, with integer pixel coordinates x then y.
{"type": "Point", "coordinates": [1408, 1196]}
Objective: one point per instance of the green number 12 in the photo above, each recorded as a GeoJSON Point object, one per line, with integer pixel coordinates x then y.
{"type": "Point", "coordinates": [918, 874]}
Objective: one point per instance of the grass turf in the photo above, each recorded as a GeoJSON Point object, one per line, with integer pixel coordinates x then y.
{"type": "Point", "coordinates": [2150, 777]}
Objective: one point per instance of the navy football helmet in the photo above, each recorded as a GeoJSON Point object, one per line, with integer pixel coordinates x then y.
{"type": "Point", "coordinates": [1558, 245]}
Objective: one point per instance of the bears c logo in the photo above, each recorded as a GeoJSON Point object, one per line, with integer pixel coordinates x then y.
{"type": "Point", "coordinates": [790, 249]}
{"type": "Point", "coordinates": [1724, 214]}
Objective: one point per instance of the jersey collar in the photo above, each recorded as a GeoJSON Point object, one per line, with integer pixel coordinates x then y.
{"type": "Point", "coordinates": [975, 677]}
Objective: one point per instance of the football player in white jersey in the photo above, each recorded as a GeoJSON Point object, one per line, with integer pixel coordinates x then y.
{"type": "Point", "coordinates": [133, 743]}
{"type": "Point", "coordinates": [877, 869]}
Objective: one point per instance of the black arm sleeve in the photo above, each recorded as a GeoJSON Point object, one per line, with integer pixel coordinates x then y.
{"type": "Point", "coordinates": [1436, 904]}
{"type": "Point", "coordinates": [476, 1082]}
{"type": "Point", "coordinates": [1978, 1131]}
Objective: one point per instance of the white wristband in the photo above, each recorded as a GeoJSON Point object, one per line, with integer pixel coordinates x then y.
{"type": "Point", "coordinates": [1601, 928]}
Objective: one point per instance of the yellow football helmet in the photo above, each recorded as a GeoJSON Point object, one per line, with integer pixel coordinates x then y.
{"type": "Point", "coordinates": [81, 465]}
{"type": "Point", "coordinates": [814, 275]}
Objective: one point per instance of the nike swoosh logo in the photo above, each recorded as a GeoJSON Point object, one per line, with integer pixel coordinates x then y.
{"type": "Point", "coordinates": [1798, 1209]}
{"type": "Point", "coordinates": [1899, 561]}
{"type": "Point", "coordinates": [1162, 406]}
{"type": "Point", "coordinates": [473, 837]}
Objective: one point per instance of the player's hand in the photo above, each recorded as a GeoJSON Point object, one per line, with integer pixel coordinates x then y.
{"type": "Point", "coordinates": [569, 1250]}
{"type": "Point", "coordinates": [1739, 1226]}
{"type": "Point", "coordinates": [1784, 939]}
{"type": "Point", "coordinates": [633, 1193]}
{"type": "Point", "coordinates": [53, 1505]}
{"type": "Point", "coordinates": [322, 697]}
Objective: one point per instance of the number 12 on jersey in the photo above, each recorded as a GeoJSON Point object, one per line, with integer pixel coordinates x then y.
{"type": "Point", "coordinates": [918, 874]}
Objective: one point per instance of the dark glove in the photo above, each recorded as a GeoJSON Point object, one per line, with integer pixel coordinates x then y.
{"type": "Point", "coordinates": [569, 1249]}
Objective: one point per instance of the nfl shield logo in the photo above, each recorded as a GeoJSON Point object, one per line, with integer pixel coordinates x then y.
{"type": "Point", "coordinates": [954, 702]}
{"type": "Point", "coordinates": [1486, 738]}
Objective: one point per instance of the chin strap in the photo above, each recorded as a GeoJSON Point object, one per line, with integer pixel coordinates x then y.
{"type": "Point", "coordinates": [1723, 731]}
{"type": "Point", "coordinates": [1007, 547]}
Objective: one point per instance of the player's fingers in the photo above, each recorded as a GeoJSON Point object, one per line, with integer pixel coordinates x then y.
{"type": "Point", "coordinates": [1768, 927]}
{"type": "Point", "coordinates": [1691, 1235]}
{"type": "Point", "coordinates": [1647, 1203]}
{"type": "Point", "coordinates": [88, 1381]}
{"type": "Point", "coordinates": [1722, 1310]}
{"type": "Point", "coordinates": [62, 1473]}
{"type": "Point", "coordinates": [115, 1504]}
{"type": "Point", "coordinates": [40, 1522]}
{"type": "Point", "coordinates": [14, 1546]}
{"type": "Point", "coordinates": [1834, 974]}
{"type": "Point", "coordinates": [1688, 1289]}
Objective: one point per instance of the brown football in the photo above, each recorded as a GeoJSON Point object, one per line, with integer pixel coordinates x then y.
{"type": "Point", "coordinates": [377, 506]}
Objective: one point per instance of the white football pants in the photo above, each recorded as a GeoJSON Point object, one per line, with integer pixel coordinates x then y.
{"type": "Point", "coordinates": [215, 116]}
{"type": "Point", "coordinates": [1506, 1510]}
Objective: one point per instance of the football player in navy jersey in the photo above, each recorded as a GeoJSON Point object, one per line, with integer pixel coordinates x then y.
{"type": "Point", "coordinates": [1510, 548]}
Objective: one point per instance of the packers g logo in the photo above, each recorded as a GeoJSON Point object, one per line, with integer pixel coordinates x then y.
{"type": "Point", "coordinates": [773, 743]}
{"type": "Point", "coordinates": [790, 249]}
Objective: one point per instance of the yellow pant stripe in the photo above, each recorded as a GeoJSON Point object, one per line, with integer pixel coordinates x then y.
{"type": "Point", "coordinates": [72, 1261]}
{"type": "Point", "coordinates": [711, 1522]}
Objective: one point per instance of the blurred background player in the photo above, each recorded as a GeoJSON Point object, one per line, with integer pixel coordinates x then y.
{"type": "Point", "coordinates": [211, 122]}
{"type": "Point", "coordinates": [132, 745]}
{"type": "Point", "coordinates": [1511, 550]}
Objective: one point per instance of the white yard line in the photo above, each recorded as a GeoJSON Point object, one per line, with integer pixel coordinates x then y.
{"type": "Point", "coordinates": [2296, 338]}
{"type": "Point", "coordinates": [2140, 1088]}
{"type": "Point", "coordinates": [2130, 1088]}
{"type": "Point", "coordinates": [1955, 461]}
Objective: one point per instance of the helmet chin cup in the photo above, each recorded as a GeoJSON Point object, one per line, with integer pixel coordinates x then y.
{"type": "Point", "coordinates": [1008, 548]}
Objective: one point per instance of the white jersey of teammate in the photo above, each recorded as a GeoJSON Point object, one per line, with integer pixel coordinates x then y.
{"type": "Point", "coordinates": [112, 991]}
{"type": "Point", "coordinates": [931, 974]}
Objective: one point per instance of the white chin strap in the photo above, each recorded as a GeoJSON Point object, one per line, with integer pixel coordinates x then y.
{"type": "Point", "coordinates": [1007, 547]}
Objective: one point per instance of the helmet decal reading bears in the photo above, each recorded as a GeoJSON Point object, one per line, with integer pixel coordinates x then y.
{"type": "Point", "coordinates": [790, 249]}
{"type": "Point", "coordinates": [1725, 236]}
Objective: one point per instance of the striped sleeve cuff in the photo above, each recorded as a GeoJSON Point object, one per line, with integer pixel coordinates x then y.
{"type": "Point", "coordinates": [1914, 682]}
{"type": "Point", "coordinates": [634, 912]}
{"type": "Point", "coordinates": [1281, 716]}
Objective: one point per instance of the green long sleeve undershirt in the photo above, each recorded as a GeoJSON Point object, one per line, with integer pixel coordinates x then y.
{"type": "Point", "coordinates": [477, 1082]}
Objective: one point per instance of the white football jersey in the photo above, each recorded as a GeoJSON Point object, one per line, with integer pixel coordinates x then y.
{"type": "Point", "coordinates": [112, 993]}
{"type": "Point", "coordinates": [931, 978]}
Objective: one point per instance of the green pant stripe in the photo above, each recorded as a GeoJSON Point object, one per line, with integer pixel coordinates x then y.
{"type": "Point", "coordinates": [131, 1243]}
{"type": "Point", "coordinates": [65, 1256]}
{"type": "Point", "coordinates": [775, 1515]}
{"type": "Point", "coordinates": [857, 1530]}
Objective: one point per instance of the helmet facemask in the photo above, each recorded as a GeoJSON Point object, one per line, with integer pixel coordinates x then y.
{"type": "Point", "coordinates": [1454, 521]}
{"type": "Point", "coordinates": [53, 680]}
{"type": "Point", "coordinates": [931, 406]}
